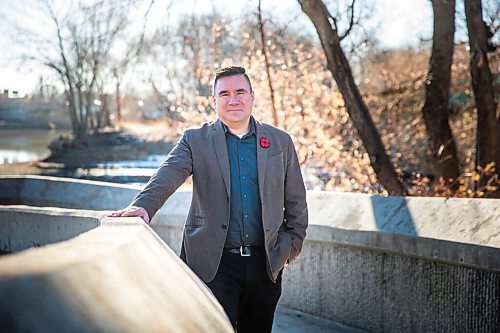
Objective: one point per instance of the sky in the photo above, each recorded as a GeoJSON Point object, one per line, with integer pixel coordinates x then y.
{"type": "Point", "coordinates": [400, 24]}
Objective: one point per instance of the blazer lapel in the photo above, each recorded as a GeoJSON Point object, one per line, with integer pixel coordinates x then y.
{"type": "Point", "coordinates": [262, 157]}
{"type": "Point", "coordinates": [219, 141]}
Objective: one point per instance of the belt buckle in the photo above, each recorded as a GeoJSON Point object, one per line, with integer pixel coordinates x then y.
{"type": "Point", "coordinates": [244, 254]}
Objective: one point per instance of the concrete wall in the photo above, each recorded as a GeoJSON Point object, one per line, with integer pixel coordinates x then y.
{"type": "Point", "coordinates": [64, 192]}
{"type": "Point", "coordinates": [375, 263]}
{"type": "Point", "coordinates": [23, 227]}
{"type": "Point", "coordinates": [388, 292]}
{"type": "Point", "coordinates": [93, 195]}
{"type": "Point", "coordinates": [117, 277]}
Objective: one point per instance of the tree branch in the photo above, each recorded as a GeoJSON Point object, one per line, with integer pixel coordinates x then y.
{"type": "Point", "coordinates": [351, 21]}
{"type": "Point", "coordinates": [268, 66]}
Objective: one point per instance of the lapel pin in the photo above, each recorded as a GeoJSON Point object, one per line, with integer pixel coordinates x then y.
{"type": "Point", "coordinates": [264, 142]}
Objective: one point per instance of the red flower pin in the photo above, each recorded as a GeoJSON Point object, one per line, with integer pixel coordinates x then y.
{"type": "Point", "coordinates": [264, 142]}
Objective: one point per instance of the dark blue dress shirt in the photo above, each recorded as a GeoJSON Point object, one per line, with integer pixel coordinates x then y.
{"type": "Point", "coordinates": [245, 219]}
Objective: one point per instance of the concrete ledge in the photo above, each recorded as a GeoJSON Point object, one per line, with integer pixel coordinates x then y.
{"type": "Point", "coordinates": [64, 192]}
{"type": "Point", "coordinates": [374, 263]}
{"type": "Point", "coordinates": [459, 231]}
{"type": "Point", "coordinates": [472, 221]}
{"type": "Point", "coordinates": [117, 277]}
{"type": "Point", "coordinates": [480, 257]}
{"type": "Point", "coordinates": [23, 227]}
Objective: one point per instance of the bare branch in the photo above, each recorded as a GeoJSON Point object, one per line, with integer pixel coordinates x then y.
{"type": "Point", "coordinates": [351, 21]}
{"type": "Point", "coordinates": [333, 19]}
{"type": "Point", "coordinates": [268, 66]}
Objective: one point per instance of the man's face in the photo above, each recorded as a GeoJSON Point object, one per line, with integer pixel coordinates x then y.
{"type": "Point", "coordinates": [233, 100]}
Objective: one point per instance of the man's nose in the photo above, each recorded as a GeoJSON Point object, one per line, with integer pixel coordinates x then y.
{"type": "Point", "coordinates": [234, 99]}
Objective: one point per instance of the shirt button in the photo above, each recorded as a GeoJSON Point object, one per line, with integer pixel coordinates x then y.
{"type": "Point", "coordinates": [246, 235]}
{"type": "Point", "coordinates": [243, 177]}
{"type": "Point", "coordinates": [246, 215]}
{"type": "Point", "coordinates": [224, 226]}
{"type": "Point", "coordinates": [241, 158]}
{"type": "Point", "coordinates": [244, 195]}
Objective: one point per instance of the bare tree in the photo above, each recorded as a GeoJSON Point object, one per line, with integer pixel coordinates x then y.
{"type": "Point", "coordinates": [84, 44]}
{"type": "Point", "coordinates": [79, 53]}
{"type": "Point", "coordinates": [121, 64]}
{"type": "Point", "coordinates": [337, 63]}
{"type": "Point", "coordinates": [184, 59]}
{"type": "Point", "coordinates": [267, 64]}
{"type": "Point", "coordinates": [436, 108]}
{"type": "Point", "coordinates": [488, 123]}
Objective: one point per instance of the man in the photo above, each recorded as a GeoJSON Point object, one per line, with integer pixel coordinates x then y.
{"type": "Point", "coordinates": [248, 215]}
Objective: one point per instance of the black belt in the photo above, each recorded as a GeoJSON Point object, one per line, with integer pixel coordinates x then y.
{"type": "Point", "coordinates": [245, 251]}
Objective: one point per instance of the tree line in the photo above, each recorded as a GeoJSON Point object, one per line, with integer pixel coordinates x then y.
{"type": "Point", "coordinates": [312, 90]}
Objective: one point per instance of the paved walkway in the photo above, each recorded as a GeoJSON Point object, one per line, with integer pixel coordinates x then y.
{"type": "Point", "coordinates": [291, 321]}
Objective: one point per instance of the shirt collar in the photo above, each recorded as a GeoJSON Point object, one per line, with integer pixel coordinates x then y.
{"type": "Point", "coordinates": [252, 127]}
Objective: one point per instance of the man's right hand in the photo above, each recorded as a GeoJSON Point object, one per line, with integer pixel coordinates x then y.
{"type": "Point", "coordinates": [131, 211]}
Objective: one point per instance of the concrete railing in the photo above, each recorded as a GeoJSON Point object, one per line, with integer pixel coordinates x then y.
{"type": "Point", "coordinates": [24, 227]}
{"type": "Point", "coordinates": [400, 264]}
{"type": "Point", "coordinates": [117, 277]}
{"type": "Point", "coordinates": [378, 264]}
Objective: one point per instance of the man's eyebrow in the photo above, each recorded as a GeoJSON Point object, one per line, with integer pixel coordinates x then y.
{"type": "Point", "coordinates": [227, 91]}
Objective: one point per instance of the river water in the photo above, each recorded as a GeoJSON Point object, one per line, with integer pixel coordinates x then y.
{"type": "Point", "coordinates": [24, 145]}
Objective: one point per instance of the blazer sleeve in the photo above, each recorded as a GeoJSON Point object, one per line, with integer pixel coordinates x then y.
{"type": "Point", "coordinates": [166, 180]}
{"type": "Point", "coordinates": [295, 214]}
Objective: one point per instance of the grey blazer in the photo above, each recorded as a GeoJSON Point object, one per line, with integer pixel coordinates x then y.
{"type": "Point", "coordinates": [202, 152]}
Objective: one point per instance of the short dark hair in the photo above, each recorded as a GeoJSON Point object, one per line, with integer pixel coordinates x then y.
{"type": "Point", "coordinates": [230, 71]}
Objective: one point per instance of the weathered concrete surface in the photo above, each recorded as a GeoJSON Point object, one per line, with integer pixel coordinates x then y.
{"type": "Point", "coordinates": [379, 291]}
{"type": "Point", "coordinates": [473, 221]}
{"type": "Point", "coordinates": [412, 226]}
{"type": "Point", "coordinates": [64, 192]}
{"type": "Point", "coordinates": [118, 277]}
{"type": "Point", "coordinates": [22, 227]}
{"type": "Point", "coordinates": [379, 264]}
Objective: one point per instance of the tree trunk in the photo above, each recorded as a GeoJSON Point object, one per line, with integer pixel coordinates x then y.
{"type": "Point", "coordinates": [357, 109]}
{"type": "Point", "coordinates": [436, 109]}
{"type": "Point", "coordinates": [70, 95]}
{"type": "Point", "coordinates": [72, 110]}
{"type": "Point", "coordinates": [105, 119]}
{"type": "Point", "coordinates": [487, 119]}
{"type": "Point", "coordinates": [82, 128]}
{"type": "Point", "coordinates": [118, 101]}
{"type": "Point", "coordinates": [90, 112]}
{"type": "Point", "coordinates": [89, 103]}
{"type": "Point", "coordinates": [65, 73]}
{"type": "Point", "coordinates": [268, 67]}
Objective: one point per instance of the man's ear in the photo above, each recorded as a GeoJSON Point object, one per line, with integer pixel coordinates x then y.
{"type": "Point", "coordinates": [212, 100]}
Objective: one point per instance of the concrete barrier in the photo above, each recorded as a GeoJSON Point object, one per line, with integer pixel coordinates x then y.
{"type": "Point", "coordinates": [117, 277]}
{"type": "Point", "coordinates": [64, 192]}
{"type": "Point", "coordinates": [23, 227]}
{"type": "Point", "coordinates": [378, 264]}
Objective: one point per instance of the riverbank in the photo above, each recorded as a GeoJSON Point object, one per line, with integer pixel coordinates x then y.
{"type": "Point", "coordinates": [128, 141]}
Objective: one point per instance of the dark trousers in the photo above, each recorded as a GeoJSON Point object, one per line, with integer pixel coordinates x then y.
{"type": "Point", "coordinates": [246, 293]}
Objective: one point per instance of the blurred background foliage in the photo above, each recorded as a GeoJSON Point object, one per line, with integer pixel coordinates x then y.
{"type": "Point", "coordinates": [167, 75]}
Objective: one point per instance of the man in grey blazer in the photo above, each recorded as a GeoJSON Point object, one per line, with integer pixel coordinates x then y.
{"type": "Point", "coordinates": [248, 214]}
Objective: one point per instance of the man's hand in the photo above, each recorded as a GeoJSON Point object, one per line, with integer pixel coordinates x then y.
{"type": "Point", "coordinates": [131, 211]}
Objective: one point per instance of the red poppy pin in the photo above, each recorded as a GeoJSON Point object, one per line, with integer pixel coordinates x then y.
{"type": "Point", "coordinates": [264, 142]}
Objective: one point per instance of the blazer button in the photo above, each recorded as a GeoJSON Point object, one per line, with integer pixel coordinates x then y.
{"type": "Point", "coordinates": [224, 226]}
